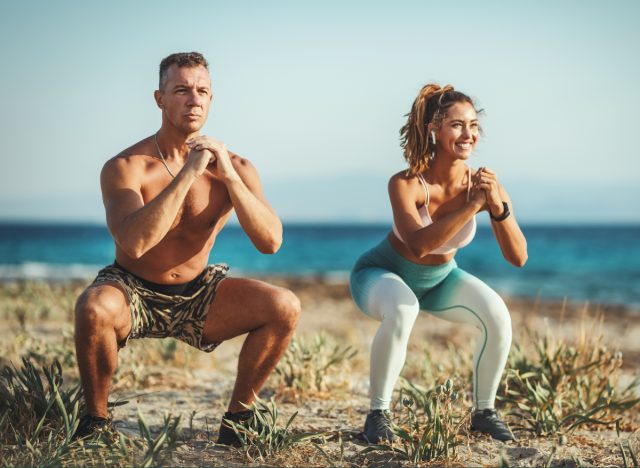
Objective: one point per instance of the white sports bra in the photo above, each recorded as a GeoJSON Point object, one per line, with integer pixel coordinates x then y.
{"type": "Point", "coordinates": [460, 239]}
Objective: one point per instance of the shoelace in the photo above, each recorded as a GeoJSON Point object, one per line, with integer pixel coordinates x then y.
{"type": "Point", "coordinates": [381, 420]}
{"type": "Point", "coordinates": [492, 416]}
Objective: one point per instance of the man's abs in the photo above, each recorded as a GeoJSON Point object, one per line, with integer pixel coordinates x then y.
{"type": "Point", "coordinates": [175, 260]}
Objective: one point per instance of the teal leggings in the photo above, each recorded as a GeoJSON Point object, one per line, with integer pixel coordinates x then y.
{"type": "Point", "coordinates": [393, 290]}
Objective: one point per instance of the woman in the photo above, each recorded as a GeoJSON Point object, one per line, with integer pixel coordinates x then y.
{"type": "Point", "coordinates": [434, 204]}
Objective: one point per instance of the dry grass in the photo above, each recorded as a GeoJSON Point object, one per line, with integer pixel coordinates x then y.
{"type": "Point", "coordinates": [324, 381]}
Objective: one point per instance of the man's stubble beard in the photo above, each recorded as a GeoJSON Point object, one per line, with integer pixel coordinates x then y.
{"type": "Point", "coordinates": [188, 128]}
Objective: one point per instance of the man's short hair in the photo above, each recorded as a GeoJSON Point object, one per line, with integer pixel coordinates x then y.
{"type": "Point", "coordinates": [181, 59]}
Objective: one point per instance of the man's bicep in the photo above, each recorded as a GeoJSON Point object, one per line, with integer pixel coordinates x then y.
{"type": "Point", "coordinates": [251, 179]}
{"type": "Point", "coordinates": [120, 194]}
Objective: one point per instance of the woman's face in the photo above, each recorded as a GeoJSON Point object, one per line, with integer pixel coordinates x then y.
{"type": "Point", "coordinates": [458, 133]}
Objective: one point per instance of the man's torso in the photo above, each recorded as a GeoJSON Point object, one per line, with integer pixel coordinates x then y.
{"type": "Point", "coordinates": [184, 251]}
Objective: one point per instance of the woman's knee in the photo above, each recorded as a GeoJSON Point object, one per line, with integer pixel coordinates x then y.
{"type": "Point", "coordinates": [401, 319]}
{"type": "Point", "coordinates": [498, 322]}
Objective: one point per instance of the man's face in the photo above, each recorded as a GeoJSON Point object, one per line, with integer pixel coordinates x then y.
{"type": "Point", "coordinates": [185, 97]}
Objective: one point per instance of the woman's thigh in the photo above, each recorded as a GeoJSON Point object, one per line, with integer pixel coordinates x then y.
{"type": "Point", "coordinates": [463, 298]}
{"type": "Point", "coordinates": [376, 290]}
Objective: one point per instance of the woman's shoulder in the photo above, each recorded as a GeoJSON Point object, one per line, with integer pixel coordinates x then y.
{"type": "Point", "coordinates": [403, 178]}
{"type": "Point", "coordinates": [404, 183]}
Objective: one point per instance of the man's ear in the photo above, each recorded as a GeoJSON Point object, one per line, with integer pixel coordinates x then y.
{"type": "Point", "coordinates": [157, 95]}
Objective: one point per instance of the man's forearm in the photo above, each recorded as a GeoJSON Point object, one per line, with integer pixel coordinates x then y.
{"type": "Point", "coordinates": [145, 228]}
{"type": "Point", "coordinates": [261, 225]}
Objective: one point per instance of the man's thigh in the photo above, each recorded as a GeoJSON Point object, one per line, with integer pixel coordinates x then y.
{"type": "Point", "coordinates": [105, 304]}
{"type": "Point", "coordinates": [242, 305]}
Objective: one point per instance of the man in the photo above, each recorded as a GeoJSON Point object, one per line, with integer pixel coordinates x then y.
{"type": "Point", "coordinates": [166, 198]}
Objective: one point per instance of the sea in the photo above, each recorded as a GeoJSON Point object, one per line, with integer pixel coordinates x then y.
{"type": "Point", "coordinates": [599, 264]}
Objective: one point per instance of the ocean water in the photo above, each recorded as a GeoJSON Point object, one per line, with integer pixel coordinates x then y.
{"type": "Point", "coordinates": [596, 263]}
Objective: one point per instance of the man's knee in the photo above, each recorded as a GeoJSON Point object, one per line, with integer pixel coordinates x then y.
{"type": "Point", "coordinates": [287, 308]}
{"type": "Point", "coordinates": [98, 307]}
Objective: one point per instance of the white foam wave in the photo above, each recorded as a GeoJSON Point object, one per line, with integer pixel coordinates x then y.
{"type": "Point", "coordinates": [48, 271]}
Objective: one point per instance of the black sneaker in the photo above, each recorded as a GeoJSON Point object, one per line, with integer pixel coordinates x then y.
{"type": "Point", "coordinates": [378, 426]}
{"type": "Point", "coordinates": [90, 425]}
{"type": "Point", "coordinates": [226, 434]}
{"type": "Point", "coordinates": [487, 421]}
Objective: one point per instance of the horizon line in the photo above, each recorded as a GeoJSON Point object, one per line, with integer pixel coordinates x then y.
{"type": "Point", "coordinates": [329, 222]}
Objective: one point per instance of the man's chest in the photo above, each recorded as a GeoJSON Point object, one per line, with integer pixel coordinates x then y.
{"type": "Point", "coordinates": [206, 201]}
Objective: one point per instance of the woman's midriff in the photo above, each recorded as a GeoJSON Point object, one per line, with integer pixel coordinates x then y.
{"type": "Point", "coordinates": [431, 260]}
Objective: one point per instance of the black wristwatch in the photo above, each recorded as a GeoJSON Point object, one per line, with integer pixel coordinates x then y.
{"type": "Point", "coordinates": [505, 213]}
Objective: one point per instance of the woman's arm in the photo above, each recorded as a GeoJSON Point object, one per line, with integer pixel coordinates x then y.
{"type": "Point", "coordinates": [507, 231]}
{"type": "Point", "coordinates": [422, 240]}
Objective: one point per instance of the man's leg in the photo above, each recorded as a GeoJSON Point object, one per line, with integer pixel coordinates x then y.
{"type": "Point", "coordinates": [102, 319]}
{"type": "Point", "coordinates": [268, 313]}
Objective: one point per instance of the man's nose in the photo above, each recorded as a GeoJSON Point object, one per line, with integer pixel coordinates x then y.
{"type": "Point", "coordinates": [195, 99]}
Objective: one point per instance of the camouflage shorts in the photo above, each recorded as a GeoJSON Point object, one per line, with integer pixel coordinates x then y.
{"type": "Point", "coordinates": [158, 315]}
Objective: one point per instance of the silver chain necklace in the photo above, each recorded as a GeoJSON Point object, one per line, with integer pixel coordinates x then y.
{"type": "Point", "coordinates": [155, 139]}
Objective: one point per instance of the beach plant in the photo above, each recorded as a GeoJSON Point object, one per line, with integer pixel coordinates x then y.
{"type": "Point", "coordinates": [31, 403]}
{"type": "Point", "coordinates": [158, 446]}
{"type": "Point", "coordinates": [262, 436]}
{"type": "Point", "coordinates": [558, 388]}
{"type": "Point", "coordinates": [168, 349]}
{"type": "Point", "coordinates": [307, 364]}
{"type": "Point", "coordinates": [332, 461]}
{"type": "Point", "coordinates": [38, 416]}
{"type": "Point", "coordinates": [628, 452]}
{"type": "Point", "coordinates": [428, 425]}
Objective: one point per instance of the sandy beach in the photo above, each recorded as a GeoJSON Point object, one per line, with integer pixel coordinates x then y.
{"type": "Point", "coordinates": [156, 377]}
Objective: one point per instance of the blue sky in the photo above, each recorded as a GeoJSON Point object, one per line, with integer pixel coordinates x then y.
{"type": "Point", "coordinates": [314, 93]}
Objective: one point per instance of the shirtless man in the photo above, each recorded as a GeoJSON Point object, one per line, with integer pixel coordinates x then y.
{"type": "Point", "coordinates": [166, 198]}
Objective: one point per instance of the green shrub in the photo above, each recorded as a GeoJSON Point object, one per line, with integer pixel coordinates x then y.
{"type": "Point", "coordinates": [262, 436]}
{"type": "Point", "coordinates": [30, 404]}
{"type": "Point", "coordinates": [307, 364]}
{"type": "Point", "coordinates": [559, 388]}
{"type": "Point", "coordinates": [157, 447]}
{"type": "Point", "coordinates": [429, 424]}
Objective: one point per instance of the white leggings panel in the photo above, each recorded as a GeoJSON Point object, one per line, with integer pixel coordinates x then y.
{"type": "Point", "coordinates": [460, 298]}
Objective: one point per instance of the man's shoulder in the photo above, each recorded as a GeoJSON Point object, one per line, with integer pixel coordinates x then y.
{"type": "Point", "coordinates": [241, 164]}
{"type": "Point", "coordinates": [134, 157]}
{"type": "Point", "coordinates": [136, 154]}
